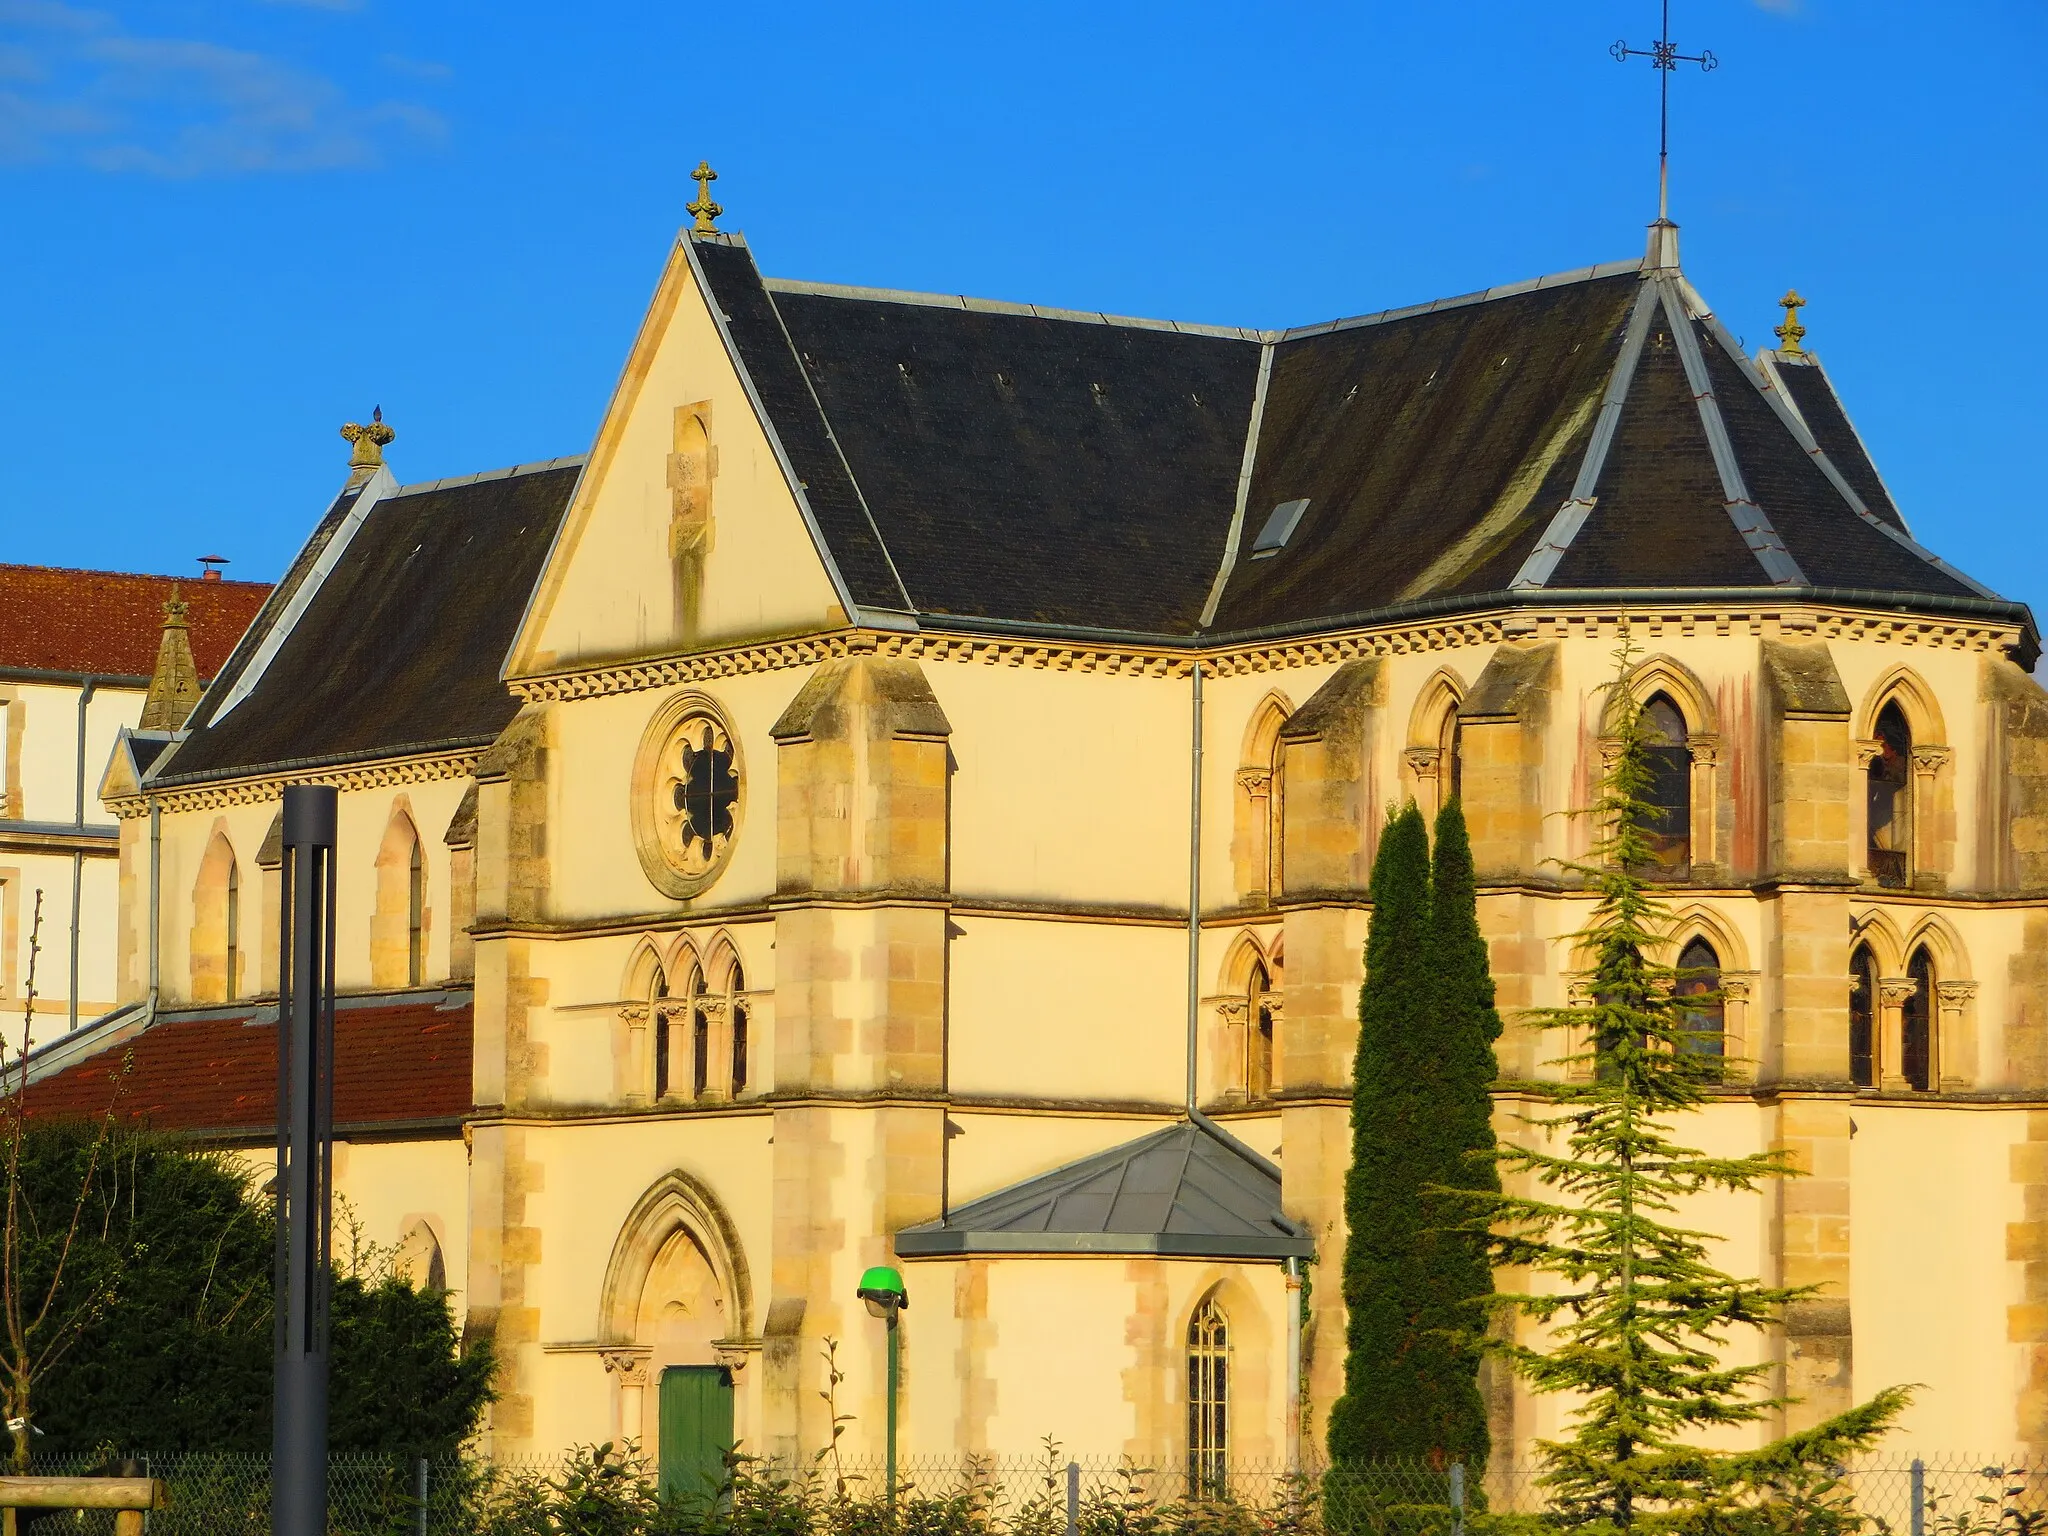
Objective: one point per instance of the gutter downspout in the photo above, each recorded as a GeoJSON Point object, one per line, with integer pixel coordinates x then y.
{"type": "Point", "coordinates": [1194, 888]}
{"type": "Point", "coordinates": [85, 694]}
{"type": "Point", "coordinates": [156, 850]}
{"type": "Point", "coordinates": [1292, 1418]}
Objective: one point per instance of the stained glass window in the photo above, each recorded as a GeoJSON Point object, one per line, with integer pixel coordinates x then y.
{"type": "Point", "coordinates": [1208, 1402]}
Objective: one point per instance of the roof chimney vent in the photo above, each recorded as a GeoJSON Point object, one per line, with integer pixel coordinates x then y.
{"type": "Point", "coordinates": [209, 567]}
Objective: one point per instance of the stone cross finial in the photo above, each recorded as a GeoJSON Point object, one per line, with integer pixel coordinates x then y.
{"type": "Point", "coordinates": [1789, 333]}
{"type": "Point", "coordinates": [705, 209]}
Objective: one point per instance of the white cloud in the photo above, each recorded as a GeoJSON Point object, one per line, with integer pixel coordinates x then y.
{"type": "Point", "coordinates": [77, 88]}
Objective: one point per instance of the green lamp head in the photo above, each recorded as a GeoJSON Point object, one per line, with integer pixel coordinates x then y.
{"type": "Point", "coordinates": [883, 1290]}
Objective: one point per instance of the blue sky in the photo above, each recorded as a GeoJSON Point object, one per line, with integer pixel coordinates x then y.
{"type": "Point", "coordinates": [227, 226]}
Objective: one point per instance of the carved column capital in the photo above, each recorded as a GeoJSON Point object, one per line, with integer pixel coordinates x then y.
{"type": "Point", "coordinates": [1954, 994]}
{"type": "Point", "coordinates": [628, 1364]}
{"type": "Point", "coordinates": [1927, 760]}
{"type": "Point", "coordinates": [1258, 781]}
{"type": "Point", "coordinates": [734, 1354]}
{"type": "Point", "coordinates": [1867, 752]}
{"type": "Point", "coordinates": [634, 1014]}
{"type": "Point", "coordinates": [1894, 991]}
{"type": "Point", "coordinates": [1737, 988]}
{"type": "Point", "coordinates": [1704, 749]}
{"type": "Point", "coordinates": [1424, 760]}
{"type": "Point", "coordinates": [1235, 1010]}
{"type": "Point", "coordinates": [712, 1007]}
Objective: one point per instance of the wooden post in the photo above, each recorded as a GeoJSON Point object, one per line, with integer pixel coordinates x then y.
{"type": "Point", "coordinates": [130, 1496]}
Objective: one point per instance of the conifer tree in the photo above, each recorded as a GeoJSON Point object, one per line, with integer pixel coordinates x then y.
{"type": "Point", "coordinates": [1387, 1363]}
{"type": "Point", "coordinates": [1453, 1151]}
{"type": "Point", "coordinates": [1638, 1317]}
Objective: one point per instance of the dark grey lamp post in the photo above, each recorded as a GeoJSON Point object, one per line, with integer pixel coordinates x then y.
{"type": "Point", "coordinates": [305, 1161]}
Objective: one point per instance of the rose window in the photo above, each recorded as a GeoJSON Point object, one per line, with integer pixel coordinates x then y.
{"type": "Point", "coordinates": [689, 795]}
{"type": "Point", "coordinates": [699, 794]}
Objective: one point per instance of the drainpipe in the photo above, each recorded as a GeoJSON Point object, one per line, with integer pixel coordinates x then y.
{"type": "Point", "coordinates": [156, 851]}
{"type": "Point", "coordinates": [85, 693]}
{"type": "Point", "coordinates": [1292, 1418]}
{"type": "Point", "coordinates": [1194, 887]}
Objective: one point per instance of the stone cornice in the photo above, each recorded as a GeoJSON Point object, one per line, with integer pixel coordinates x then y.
{"type": "Point", "coordinates": [255, 789]}
{"type": "Point", "coordinates": [1165, 658]}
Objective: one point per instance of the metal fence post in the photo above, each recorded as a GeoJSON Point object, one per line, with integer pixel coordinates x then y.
{"type": "Point", "coordinates": [1919, 1497]}
{"type": "Point", "coordinates": [423, 1496]}
{"type": "Point", "coordinates": [1458, 1498]}
{"type": "Point", "coordinates": [1074, 1499]}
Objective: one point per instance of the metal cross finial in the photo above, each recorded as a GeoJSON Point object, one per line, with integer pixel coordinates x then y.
{"type": "Point", "coordinates": [705, 209]}
{"type": "Point", "coordinates": [1791, 331]}
{"type": "Point", "coordinates": [1664, 57]}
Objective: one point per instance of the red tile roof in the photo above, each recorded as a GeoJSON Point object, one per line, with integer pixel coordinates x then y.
{"type": "Point", "coordinates": [57, 620]}
{"type": "Point", "coordinates": [394, 1062]}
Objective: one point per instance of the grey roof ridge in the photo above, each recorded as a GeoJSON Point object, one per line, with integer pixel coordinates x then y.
{"type": "Point", "coordinates": [1771, 387]}
{"type": "Point", "coordinates": [1460, 301]}
{"type": "Point", "coordinates": [1006, 307]}
{"type": "Point", "coordinates": [510, 472]}
{"type": "Point", "coordinates": [1750, 519]}
{"type": "Point", "coordinates": [832, 436]}
{"type": "Point", "coordinates": [1813, 360]}
{"type": "Point", "coordinates": [1264, 1166]}
{"type": "Point", "coordinates": [712, 307]}
{"type": "Point", "coordinates": [1235, 537]}
{"type": "Point", "coordinates": [62, 1052]}
{"type": "Point", "coordinates": [374, 490]}
{"type": "Point", "coordinates": [1566, 522]}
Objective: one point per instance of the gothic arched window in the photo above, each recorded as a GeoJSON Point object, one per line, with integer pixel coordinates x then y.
{"type": "Point", "coordinates": [1916, 1038]}
{"type": "Point", "coordinates": [657, 1019]}
{"type": "Point", "coordinates": [1258, 1073]}
{"type": "Point", "coordinates": [1450, 758]}
{"type": "Point", "coordinates": [1891, 799]}
{"type": "Point", "coordinates": [234, 924]}
{"type": "Point", "coordinates": [700, 1037]}
{"type": "Point", "coordinates": [1863, 1017]}
{"type": "Point", "coordinates": [1668, 828]}
{"type": "Point", "coordinates": [736, 984]}
{"type": "Point", "coordinates": [1208, 1402]}
{"type": "Point", "coordinates": [416, 919]}
{"type": "Point", "coordinates": [1699, 976]}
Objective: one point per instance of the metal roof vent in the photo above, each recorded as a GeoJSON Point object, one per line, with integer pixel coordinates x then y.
{"type": "Point", "coordinates": [1280, 526]}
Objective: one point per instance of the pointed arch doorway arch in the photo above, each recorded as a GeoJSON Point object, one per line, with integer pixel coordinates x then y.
{"type": "Point", "coordinates": [677, 1313]}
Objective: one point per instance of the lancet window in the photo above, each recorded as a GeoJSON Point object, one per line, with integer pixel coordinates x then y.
{"type": "Point", "coordinates": [1699, 984]}
{"type": "Point", "coordinates": [1208, 1401]}
{"type": "Point", "coordinates": [1668, 827]}
{"type": "Point", "coordinates": [1863, 1009]}
{"type": "Point", "coordinates": [1916, 1031]}
{"type": "Point", "coordinates": [1890, 794]}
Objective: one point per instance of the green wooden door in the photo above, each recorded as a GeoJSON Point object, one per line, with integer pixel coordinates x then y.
{"type": "Point", "coordinates": [696, 1429]}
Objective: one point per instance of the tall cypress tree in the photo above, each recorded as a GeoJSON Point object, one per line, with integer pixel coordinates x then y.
{"type": "Point", "coordinates": [1385, 1370]}
{"type": "Point", "coordinates": [1453, 1152]}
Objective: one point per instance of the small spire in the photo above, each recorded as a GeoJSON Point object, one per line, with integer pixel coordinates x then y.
{"type": "Point", "coordinates": [1790, 333]}
{"type": "Point", "coordinates": [369, 442]}
{"type": "Point", "coordinates": [705, 209]}
{"type": "Point", "coordinates": [174, 688]}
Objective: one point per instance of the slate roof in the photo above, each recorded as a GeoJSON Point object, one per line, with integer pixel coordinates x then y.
{"type": "Point", "coordinates": [1190, 1190]}
{"type": "Point", "coordinates": [400, 1063]}
{"type": "Point", "coordinates": [399, 642]}
{"type": "Point", "coordinates": [108, 623]}
{"type": "Point", "coordinates": [1008, 467]}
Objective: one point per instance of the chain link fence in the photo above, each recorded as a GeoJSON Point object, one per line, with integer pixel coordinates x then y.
{"type": "Point", "coordinates": [1053, 1494]}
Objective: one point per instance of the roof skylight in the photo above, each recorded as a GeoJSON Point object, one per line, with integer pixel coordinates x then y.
{"type": "Point", "coordinates": [1280, 525]}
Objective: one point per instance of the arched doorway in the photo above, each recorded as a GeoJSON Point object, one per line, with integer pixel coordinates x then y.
{"type": "Point", "coordinates": [677, 1312]}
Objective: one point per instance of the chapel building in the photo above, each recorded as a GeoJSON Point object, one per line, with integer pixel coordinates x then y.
{"type": "Point", "coordinates": [767, 851]}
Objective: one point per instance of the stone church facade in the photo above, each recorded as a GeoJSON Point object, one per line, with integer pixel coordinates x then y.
{"type": "Point", "coordinates": [768, 851]}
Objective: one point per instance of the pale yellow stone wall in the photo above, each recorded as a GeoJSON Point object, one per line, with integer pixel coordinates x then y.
{"type": "Point", "coordinates": [958, 889]}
